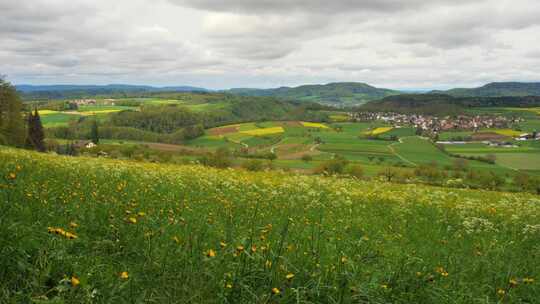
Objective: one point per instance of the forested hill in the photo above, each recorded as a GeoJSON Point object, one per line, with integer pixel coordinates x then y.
{"type": "Point", "coordinates": [444, 104]}
{"type": "Point", "coordinates": [81, 91]}
{"type": "Point", "coordinates": [497, 89]}
{"type": "Point", "coordinates": [336, 94]}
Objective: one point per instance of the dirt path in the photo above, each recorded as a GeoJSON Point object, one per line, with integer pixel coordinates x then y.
{"type": "Point", "coordinates": [390, 146]}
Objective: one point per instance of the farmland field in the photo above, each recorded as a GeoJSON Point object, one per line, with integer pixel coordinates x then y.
{"type": "Point", "coordinates": [94, 230]}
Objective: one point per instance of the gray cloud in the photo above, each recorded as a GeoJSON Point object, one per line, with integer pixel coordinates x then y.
{"type": "Point", "coordinates": [392, 43]}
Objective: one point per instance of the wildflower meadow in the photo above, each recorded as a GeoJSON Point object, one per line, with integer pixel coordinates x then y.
{"type": "Point", "coordinates": [86, 230]}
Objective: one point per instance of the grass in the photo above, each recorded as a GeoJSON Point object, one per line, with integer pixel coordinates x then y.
{"type": "Point", "coordinates": [159, 233]}
{"type": "Point", "coordinates": [57, 119]}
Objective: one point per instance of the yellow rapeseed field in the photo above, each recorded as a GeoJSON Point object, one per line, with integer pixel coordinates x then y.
{"type": "Point", "coordinates": [378, 131]}
{"type": "Point", "coordinates": [508, 132]}
{"type": "Point", "coordinates": [314, 125]}
{"type": "Point", "coordinates": [47, 112]}
{"type": "Point", "coordinates": [263, 131]}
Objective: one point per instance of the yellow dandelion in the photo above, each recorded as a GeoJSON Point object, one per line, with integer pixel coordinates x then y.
{"type": "Point", "coordinates": [513, 282]}
{"type": "Point", "coordinates": [528, 280]}
{"type": "Point", "coordinates": [141, 214]}
{"type": "Point", "coordinates": [253, 248]}
{"type": "Point", "coordinates": [12, 175]}
{"type": "Point", "coordinates": [501, 292]}
{"type": "Point", "coordinates": [132, 220]}
{"type": "Point", "coordinates": [222, 244]}
{"type": "Point", "coordinates": [384, 286]}
{"type": "Point", "coordinates": [124, 275]}
{"type": "Point", "coordinates": [229, 285]}
{"type": "Point", "coordinates": [276, 291]}
{"type": "Point", "coordinates": [211, 253]}
{"type": "Point", "coordinates": [75, 281]}
{"type": "Point", "coordinates": [289, 276]}
{"type": "Point", "coordinates": [240, 248]}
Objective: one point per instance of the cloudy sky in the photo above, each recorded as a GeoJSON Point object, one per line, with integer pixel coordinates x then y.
{"type": "Point", "coordinates": [269, 43]}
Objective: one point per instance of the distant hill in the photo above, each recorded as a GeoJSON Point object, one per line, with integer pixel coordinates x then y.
{"type": "Point", "coordinates": [76, 91]}
{"type": "Point", "coordinates": [497, 89]}
{"type": "Point", "coordinates": [442, 104]}
{"type": "Point", "coordinates": [336, 94]}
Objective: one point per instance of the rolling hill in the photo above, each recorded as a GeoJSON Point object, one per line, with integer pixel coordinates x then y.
{"type": "Point", "coordinates": [497, 89]}
{"type": "Point", "coordinates": [336, 94]}
{"type": "Point", "coordinates": [443, 104]}
{"type": "Point", "coordinates": [78, 91]}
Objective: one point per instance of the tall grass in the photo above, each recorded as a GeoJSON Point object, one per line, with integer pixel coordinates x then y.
{"type": "Point", "coordinates": [81, 230]}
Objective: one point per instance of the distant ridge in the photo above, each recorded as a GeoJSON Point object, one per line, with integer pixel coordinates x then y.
{"type": "Point", "coordinates": [25, 88]}
{"type": "Point", "coordinates": [76, 91]}
{"type": "Point", "coordinates": [497, 89]}
{"type": "Point", "coordinates": [336, 94]}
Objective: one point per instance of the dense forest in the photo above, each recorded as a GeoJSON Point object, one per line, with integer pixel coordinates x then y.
{"type": "Point", "coordinates": [441, 104]}
{"type": "Point", "coordinates": [497, 89]}
{"type": "Point", "coordinates": [12, 128]}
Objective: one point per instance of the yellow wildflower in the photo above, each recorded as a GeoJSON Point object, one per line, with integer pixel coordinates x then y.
{"type": "Point", "coordinates": [289, 276]}
{"type": "Point", "coordinates": [211, 253]}
{"type": "Point", "coordinates": [276, 291]}
{"type": "Point", "coordinates": [513, 282]}
{"type": "Point", "coordinates": [528, 280]}
{"type": "Point", "coordinates": [124, 275]}
{"type": "Point", "coordinates": [75, 281]}
{"type": "Point", "coordinates": [501, 292]}
{"type": "Point", "coordinates": [132, 220]}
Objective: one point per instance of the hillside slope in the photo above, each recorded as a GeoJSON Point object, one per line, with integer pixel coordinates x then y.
{"type": "Point", "coordinates": [337, 94]}
{"type": "Point", "coordinates": [443, 104]}
{"type": "Point", "coordinates": [497, 89]}
{"type": "Point", "coordinates": [95, 230]}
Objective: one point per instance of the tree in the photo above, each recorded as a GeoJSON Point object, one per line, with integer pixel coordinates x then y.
{"type": "Point", "coordinates": [36, 137]}
{"type": "Point", "coordinates": [307, 158]}
{"type": "Point", "coordinates": [94, 132]}
{"type": "Point", "coordinates": [11, 121]}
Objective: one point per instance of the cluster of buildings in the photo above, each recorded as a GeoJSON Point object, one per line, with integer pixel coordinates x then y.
{"type": "Point", "coordinates": [435, 124]}
{"type": "Point", "coordinates": [84, 102]}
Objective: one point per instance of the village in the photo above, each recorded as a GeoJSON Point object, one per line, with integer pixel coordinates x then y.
{"type": "Point", "coordinates": [437, 124]}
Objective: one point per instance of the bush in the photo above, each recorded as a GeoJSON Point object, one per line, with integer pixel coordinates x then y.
{"type": "Point", "coordinates": [307, 158]}
{"type": "Point", "coordinates": [355, 171]}
{"type": "Point", "coordinates": [253, 165]}
{"type": "Point", "coordinates": [334, 166]}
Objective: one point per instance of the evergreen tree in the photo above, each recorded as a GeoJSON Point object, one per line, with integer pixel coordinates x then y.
{"type": "Point", "coordinates": [36, 136]}
{"type": "Point", "coordinates": [11, 121]}
{"type": "Point", "coordinates": [94, 132]}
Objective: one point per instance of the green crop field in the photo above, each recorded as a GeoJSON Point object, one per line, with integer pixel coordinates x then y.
{"type": "Point", "coordinates": [85, 230]}
{"type": "Point", "coordinates": [58, 119]}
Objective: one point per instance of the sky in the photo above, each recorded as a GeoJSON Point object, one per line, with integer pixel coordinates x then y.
{"type": "Point", "coordinates": [218, 44]}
